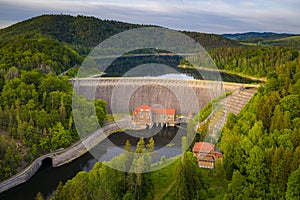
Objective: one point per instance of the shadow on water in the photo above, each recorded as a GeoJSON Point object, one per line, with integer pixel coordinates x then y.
{"type": "Point", "coordinates": [47, 178]}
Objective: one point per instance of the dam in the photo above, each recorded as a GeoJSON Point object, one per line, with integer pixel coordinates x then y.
{"type": "Point", "coordinates": [123, 95]}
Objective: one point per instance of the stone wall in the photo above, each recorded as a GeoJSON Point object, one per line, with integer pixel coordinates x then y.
{"type": "Point", "coordinates": [23, 176]}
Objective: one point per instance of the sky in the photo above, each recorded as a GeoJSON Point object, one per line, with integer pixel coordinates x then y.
{"type": "Point", "coordinates": [208, 16]}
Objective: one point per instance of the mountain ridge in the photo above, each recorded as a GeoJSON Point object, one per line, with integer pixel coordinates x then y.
{"type": "Point", "coordinates": [252, 34]}
{"type": "Point", "coordinates": [89, 31]}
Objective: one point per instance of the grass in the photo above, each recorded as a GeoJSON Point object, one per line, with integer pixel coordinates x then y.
{"type": "Point", "coordinates": [290, 38]}
{"type": "Point", "coordinates": [164, 180]}
{"type": "Point", "coordinates": [217, 183]}
{"type": "Point", "coordinates": [115, 117]}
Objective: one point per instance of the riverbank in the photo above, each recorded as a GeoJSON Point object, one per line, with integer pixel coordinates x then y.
{"type": "Point", "coordinates": [261, 79]}
{"type": "Point", "coordinates": [47, 177]}
{"type": "Point", "coordinates": [60, 157]}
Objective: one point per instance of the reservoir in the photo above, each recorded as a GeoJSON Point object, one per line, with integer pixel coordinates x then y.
{"type": "Point", "coordinates": [48, 177]}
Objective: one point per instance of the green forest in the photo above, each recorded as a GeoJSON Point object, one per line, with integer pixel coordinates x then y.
{"type": "Point", "coordinates": [260, 146]}
{"type": "Point", "coordinates": [35, 117]}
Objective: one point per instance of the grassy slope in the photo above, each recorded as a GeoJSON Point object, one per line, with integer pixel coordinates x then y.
{"type": "Point", "coordinates": [165, 181]}
{"type": "Point", "coordinates": [290, 38]}
{"type": "Point", "coordinates": [290, 41]}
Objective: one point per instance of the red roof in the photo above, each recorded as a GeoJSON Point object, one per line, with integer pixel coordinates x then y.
{"type": "Point", "coordinates": [167, 111]}
{"type": "Point", "coordinates": [143, 108]}
{"type": "Point", "coordinates": [204, 147]}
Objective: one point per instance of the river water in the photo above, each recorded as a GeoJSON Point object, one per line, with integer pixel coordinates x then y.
{"type": "Point", "coordinates": [47, 178]}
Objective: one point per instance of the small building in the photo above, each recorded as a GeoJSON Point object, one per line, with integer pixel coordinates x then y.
{"type": "Point", "coordinates": [145, 115]}
{"type": "Point", "coordinates": [142, 115]}
{"type": "Point", "coordinates": [164, 116]}
{"type": "Point", "coordinates": [206, 154]}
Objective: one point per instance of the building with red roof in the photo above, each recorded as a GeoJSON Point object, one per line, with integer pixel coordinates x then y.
{"type": "Point", "coordinates": [142, 115]}
{"type": "Point", "coordinates": [206, 154]}
{"type": "Point", "coordinates": [146, 115]}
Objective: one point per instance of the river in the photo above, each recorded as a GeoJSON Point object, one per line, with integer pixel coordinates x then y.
{"type": "Point", "coordinates": [48, 177]}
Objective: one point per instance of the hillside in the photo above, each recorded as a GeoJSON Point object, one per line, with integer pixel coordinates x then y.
{"type": "Point", "coordinates": [267, 39]}
{"type": "Point", "coordinates": [89, 31]}
{"type": "Point", "coordinates": [292, 42]}
{"type": "Point", "coordinates": [256, 36]}
{"type": "Point", "coordinates": [80, 30]}
{"type": "Point", "coordinates": [54, 43]}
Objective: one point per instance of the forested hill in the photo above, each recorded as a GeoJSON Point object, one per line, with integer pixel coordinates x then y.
{"type": "Point", "coordinates": [54, 43]}
{"type": "Point", "coordinates": [80, 30]}
{"type": "Point", "coordinates": [89, 31]}
{"type": "Point", "coordinates": [257, 36]}
{"type": "Point", "coordinates": [267, 39]}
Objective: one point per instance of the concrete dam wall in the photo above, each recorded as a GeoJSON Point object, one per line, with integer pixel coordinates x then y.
{"type": "Point", "coordinates": [122, 95]}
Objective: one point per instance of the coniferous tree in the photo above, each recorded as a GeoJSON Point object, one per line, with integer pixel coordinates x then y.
{"type": "Point", "coordinates": [293, 186]}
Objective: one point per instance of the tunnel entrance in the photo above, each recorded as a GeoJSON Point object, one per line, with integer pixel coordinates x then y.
{"type": "Point", "coordinates": [46, 163]}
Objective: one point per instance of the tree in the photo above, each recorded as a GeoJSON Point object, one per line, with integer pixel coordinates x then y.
{"type": "Point", "coordinates": [264, 111]}
{"type": "Point", "coordinates": [295, 138]}
{"type": "Point", "coordinates": [272, 84]}
{"type": "Point", "coordinates": [293, 186]}
{"type": "Point", "coordinates": [128, 152]}
{"type": "Point", "coordinates": [296, 159]}
{"type": "Point", "coordinates": [101, 110]}
{"type": "Point", "coordinates": [62, 112]}
{"type": "Point", "coordinates": [237, 187]}
{"type": "Point", "coordinates": [256, 172]}
{"type": "Point", "coordinates": [188, 183]}
{"type": "Point", "coordinates": [181, 184]}
{"type": "Point", "coordinates": [39, 196]}
{"type": "Point", "coordinates": [140, 147]}
{"type": "Point", "coordinates": [277, 180]}
{"type": "Point", "coordinates": [290, 104]}
{"type": "Point", "coordinates": [229, 143]}
{"type": "Point", "coordinates": [128, 196]}
{"type": "Point", "coordinates": [58, 194]}
{"type": "Point", "coordinates": [59, 136]}
{"type": "Point", "coordinates": [150, 145]}
{"type": "Point", "coordinates": [256, 133]}
{"type": "Point", "coordinates": [276, 121]}
{"type": "Point", "coordinates": [128, 147]}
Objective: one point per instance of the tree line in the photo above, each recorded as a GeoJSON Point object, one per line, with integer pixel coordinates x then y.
{"type": "Point", "coordinates": [104, 182]}
{"type": "Point", "coordinates": [255, 61]}
{"type": "Point", "coordinates": [262, 144]}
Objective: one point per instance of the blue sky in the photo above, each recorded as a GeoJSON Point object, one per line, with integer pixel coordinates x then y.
{"type": "Point", "coordinates": [210, 16]}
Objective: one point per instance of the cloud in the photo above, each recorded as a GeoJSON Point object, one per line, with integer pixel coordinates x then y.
{"type": "Point", "coordinates": [215, 16]}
